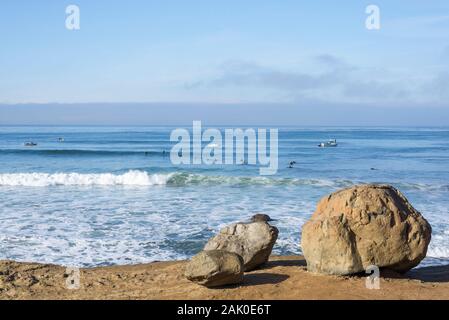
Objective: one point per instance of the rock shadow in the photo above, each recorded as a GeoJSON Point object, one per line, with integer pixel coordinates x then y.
{"type": "Point", "coordinates": [284, 263]}
{"type": "Point", "coordinates": [256, 279]}
{"type": "Point", "coordinates": [430, 274]}
{"type": "Point", "coordinates": [424, 274]}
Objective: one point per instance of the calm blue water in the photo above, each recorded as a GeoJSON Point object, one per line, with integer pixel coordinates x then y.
{"type": "Point", "coordinates": [98, 199]}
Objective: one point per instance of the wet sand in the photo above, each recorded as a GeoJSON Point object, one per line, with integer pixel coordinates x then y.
{"type": "Point", "coordinates": [283, 277]}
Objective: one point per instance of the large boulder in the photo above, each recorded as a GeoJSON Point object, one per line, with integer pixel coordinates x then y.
{"type": "Point", "coordinates": [252, 241]}
{"type": "Point", "coordinates": [215, 268]}
{"type": "Point", "coordinates": [361, 226]}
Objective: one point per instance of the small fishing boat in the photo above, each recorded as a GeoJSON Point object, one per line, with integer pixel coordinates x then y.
{"type": "Point", "coordinates": [30, 144]}
{"type": "Point", "coordinates": [330, 143]}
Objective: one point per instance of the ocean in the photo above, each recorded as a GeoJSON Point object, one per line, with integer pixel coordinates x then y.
{"type": "Point", "coordinates": [110, 195]}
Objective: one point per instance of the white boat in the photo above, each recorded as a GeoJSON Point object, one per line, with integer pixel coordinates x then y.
{"type": "Point", "coordinates": [330, 143]}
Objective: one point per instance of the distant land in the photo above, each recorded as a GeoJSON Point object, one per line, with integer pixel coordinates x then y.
{"type": "Point", "coordinates": [301, 114]}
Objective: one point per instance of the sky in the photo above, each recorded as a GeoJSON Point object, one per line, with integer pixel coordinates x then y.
{"type": "Point", "coordinates": [290, 61]}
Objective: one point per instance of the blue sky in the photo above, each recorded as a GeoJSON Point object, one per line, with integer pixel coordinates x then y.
{"type": "Point", "coordinates": [309, 54]}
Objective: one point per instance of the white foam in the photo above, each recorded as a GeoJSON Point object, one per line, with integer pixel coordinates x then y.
{"type": "Point", "coordinates": [439, 245]}
{"type": "Point", "coordinates": [135, 178]}
{"type": "Point", "coordinates": [438, 252]}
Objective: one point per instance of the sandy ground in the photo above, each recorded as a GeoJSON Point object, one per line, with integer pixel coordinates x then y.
{"type": "Point", "coordinates": [281, 278]}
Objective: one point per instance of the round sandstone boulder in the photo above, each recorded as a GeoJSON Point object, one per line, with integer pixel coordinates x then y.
{"type": "Point", "coordinates": [361, 226]}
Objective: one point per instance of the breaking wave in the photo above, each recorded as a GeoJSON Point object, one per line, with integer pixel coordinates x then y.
{"type": "Point", "coordinates": [143, 178]}
{"type": "Point", "coordinates": [136, 178]}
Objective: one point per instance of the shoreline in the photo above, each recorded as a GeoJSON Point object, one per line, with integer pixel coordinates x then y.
{"type": "Point", "coordinates": [283, 277]}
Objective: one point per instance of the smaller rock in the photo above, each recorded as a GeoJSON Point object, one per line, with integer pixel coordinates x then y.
{"type": "Point", "coordinates": [261, 217]}
{"type": "Point", "coordinates": [252, 241]}
{"type": "Point", "coordinates": [215, 268]}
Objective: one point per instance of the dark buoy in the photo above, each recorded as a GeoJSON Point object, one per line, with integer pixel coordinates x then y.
{"type": "Point", "coordinates": [261, 217]}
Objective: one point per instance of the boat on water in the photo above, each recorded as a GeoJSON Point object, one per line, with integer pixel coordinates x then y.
{"type": "Point", "coordinates": [30, 144]}
{"type": "Point", "coordinates": [328, 144]}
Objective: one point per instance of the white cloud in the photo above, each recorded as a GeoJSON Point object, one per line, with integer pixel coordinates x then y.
{"type": "Point", "coordinates": [336, 81]}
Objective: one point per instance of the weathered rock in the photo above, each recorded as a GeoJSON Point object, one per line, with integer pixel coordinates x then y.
{"type": "Point", "coordinates": [252, 241]}
{"type": "Point", "coordinates": [215, 268]}
{"type": "Point", "coordinates": [361, 226]}
{"type": "Point", "coordinates": [261, 217]}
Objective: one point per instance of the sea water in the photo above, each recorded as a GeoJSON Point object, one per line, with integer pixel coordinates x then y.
{"type": "Point", "coordinates": [110, 195]}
